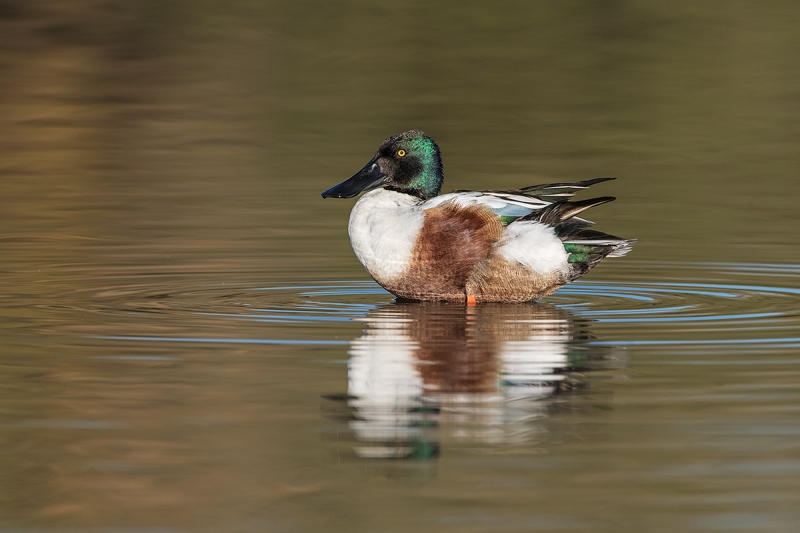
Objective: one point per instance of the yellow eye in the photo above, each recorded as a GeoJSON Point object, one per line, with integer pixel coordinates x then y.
{"type": "Point", "coordinates": [401, 153]}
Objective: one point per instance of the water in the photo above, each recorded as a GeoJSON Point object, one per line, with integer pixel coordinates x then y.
{"type": "Point", "coordinates": [188, 343]}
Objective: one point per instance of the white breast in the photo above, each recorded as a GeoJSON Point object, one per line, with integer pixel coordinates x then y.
{"type": "Point", "coordinates": [383, 232]}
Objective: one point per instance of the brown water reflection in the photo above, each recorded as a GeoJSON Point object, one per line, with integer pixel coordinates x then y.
{"type": "Point", "coordinates": [424, 373]}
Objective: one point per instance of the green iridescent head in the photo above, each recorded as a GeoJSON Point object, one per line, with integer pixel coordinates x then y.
{"type": "Point", "coordinates": [409, 163]}
{"type": "Point", "coordinates": [413, 164]}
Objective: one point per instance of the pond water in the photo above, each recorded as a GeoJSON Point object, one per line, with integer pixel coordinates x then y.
{"type": "Point", "coordinates": [189, 344]}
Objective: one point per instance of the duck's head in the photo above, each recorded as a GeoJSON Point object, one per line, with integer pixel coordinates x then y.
{"type": "Point", "coordinates": [407, 163]}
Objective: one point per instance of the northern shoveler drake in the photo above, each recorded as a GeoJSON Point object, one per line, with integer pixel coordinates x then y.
{"type": "Point", "coordinates": [473, 246]}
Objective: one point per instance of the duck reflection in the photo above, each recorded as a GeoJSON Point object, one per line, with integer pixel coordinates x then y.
{"type": "Point", "coordinates": [426, 372]}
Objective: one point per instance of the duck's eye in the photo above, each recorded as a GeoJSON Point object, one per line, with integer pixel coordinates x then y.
{"type": "Point", "coordinates": [401, 153]}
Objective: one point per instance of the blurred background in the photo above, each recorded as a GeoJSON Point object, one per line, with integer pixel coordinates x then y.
{"type": "Point", "coordinates": [207, 129]}
{"type": "Point", "coordinates": [154, 151]}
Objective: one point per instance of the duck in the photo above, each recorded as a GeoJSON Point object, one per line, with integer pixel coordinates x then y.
{"type": "Point", "coordinates": [509, 246]}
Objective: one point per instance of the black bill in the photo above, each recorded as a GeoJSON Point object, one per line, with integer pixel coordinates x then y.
{"type": "Point", "coordinates": [367, 178]}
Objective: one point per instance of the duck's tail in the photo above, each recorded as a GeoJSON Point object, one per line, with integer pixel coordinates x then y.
{"type": "Point", "coordinates": [586, 247]}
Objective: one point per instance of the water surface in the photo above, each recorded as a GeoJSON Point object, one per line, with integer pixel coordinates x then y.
{"type": "Point", "coordinates": [189, 344]}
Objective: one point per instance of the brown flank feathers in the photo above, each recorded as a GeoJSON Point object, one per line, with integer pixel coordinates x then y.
{"type": "Point", "coordinates": [452, 241]}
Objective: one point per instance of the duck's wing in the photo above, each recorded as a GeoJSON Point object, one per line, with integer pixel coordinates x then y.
{"type": "Point", "coordinates": [512, 204]}
{"type": "Point", "coordinates": [556, 192]}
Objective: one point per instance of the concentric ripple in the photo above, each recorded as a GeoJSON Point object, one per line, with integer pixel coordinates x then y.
{"type": "Point", "coordinates": [711, 303]}
{"type": "Point", "coordinates": [717, 304]}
